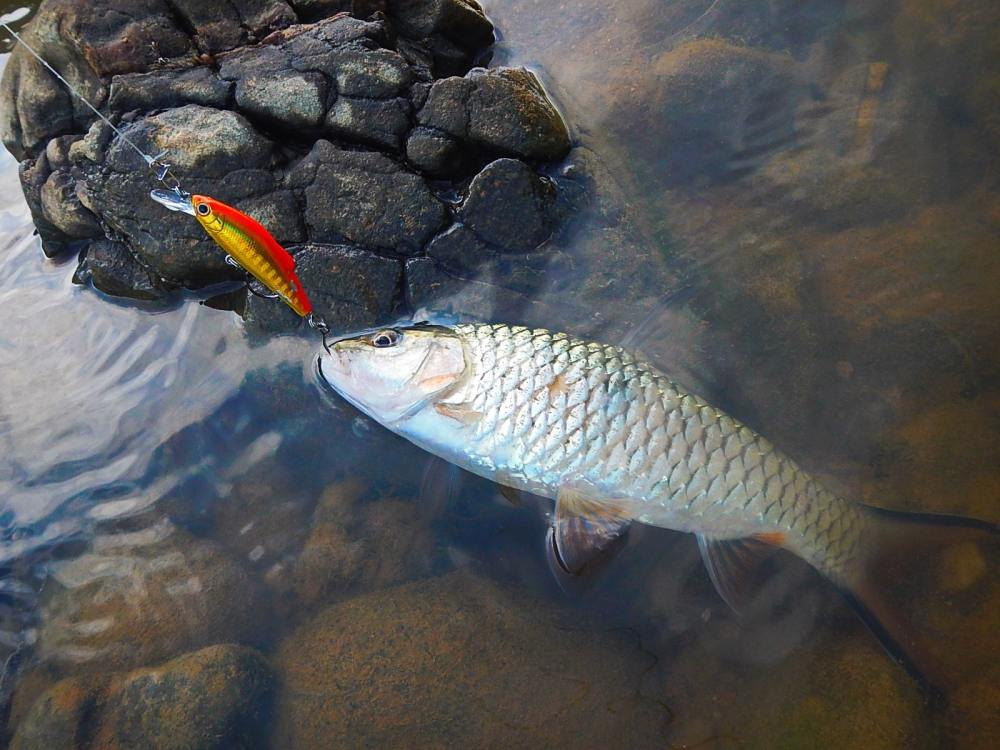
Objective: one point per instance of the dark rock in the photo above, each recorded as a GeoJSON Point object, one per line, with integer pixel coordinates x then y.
{"type": "Point", "coordinates": [446, 108]}
{"type": "Point", "coordinates": [358, 81]}
{"type": "Point", "coordinates": [198, 140]}
{"type": "Point", "coordinates": [509, 206]}
{"type": "Point", "coordinates": [267, 87]}
{"type": "Point", "coordinates": [459, 250]}
{"type": "Point", "coordinates": [366, 199]}
{"type": "Point", "coordinates": [278, 211]}
{"type": "Point", "coordinates": [460, 661]}
{"type": "Point", "coordinates": [313, 10]}
{"type": "Point", "coordinates": [437, 154]}
{"type": "Point", "coordinates": [378, 122]}
{"type": "Point", "coordinates": [213, 698]}
{"type": "Point", "coordinates": [165, 89]}
{"type": "Point", "coordinates": [502, 111]}
{"type": "Point", "coordinates": [62, 207]}
{"type": "Point", "coordinates": [58, 151]}
{"type": "Point", "coordinates": [510, 112]}
{"type": "Point", "coordinates": [369, 73]}
{"type": "Point", "coordinates": [214, 152]}
{"type": "Point", "coordinates": [34, 174]}
{"type": "Point", "coordinates": [219, 28]}
{"type": "Point", "coordinates": [112, 269]}
{"type": "Point", "coordinates": [455, 31]}
{"type": "Point", "coordinates": [350, 288]}
{"type": "Point", "coordinates": [137, 598]}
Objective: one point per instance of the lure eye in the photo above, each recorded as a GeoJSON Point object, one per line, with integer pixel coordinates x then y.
{"type": "Point", "coordinates": [203, 209]}
{"type": "Point", "coordinates": [385, 339]}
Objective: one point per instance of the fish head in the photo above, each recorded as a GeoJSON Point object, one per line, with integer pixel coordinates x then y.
{"type": "Point", "coordinates": [394, 372]}
{"type": "Point", "coordinates": [206, 211]}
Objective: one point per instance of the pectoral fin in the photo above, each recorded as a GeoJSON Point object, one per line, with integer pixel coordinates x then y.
{"type": "Point", "coordinates": [734, 565]}
{"type": "Point", "coordinates": [587, 530]}
{"type": "Point", "coordinates": [513, 496]}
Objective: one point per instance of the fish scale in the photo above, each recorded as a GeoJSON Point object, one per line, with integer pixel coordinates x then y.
{"type": "Point", "coordinates": [558, 411]}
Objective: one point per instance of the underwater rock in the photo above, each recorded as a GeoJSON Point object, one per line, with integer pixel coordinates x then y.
{"type": "Point", "coordinates": [139, 597]}
{"type": "Point", "coordinates": [460, 661]}
{"type": "Point", "coordinates": [213, 698]}
{"type": "Point", "coordinates": [55, 719]}
{"type": "Point", "coordinates": [357, 546]}
{"type": "Point", "coordinates": [301, 125]}
{"type": "Point", "coordinates": [713, 100]}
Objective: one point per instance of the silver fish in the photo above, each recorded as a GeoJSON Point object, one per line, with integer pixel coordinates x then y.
{"type": "Point", "coordinates": [613, 440]}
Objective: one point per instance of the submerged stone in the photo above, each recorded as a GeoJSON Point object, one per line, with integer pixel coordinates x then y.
{"type": "Point", "coordinates": [215, 698]}
{"type": "Point", "coordinates": [356, 546]}
{"type": "Point", "coordinates": [136, 598]}
{"type": "Point", "coordinates": [460, 661]}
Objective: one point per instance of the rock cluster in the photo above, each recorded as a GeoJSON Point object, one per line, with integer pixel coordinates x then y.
{"type": "Point", "coordinates": [213, 698]}
{"type": "Point", "coordinates": [363, 139]}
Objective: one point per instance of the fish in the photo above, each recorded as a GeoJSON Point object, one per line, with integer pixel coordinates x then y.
{"type": "Point", "coordinates": [613, 441]}
{"type": "Point", "coordinates": [253, 249]}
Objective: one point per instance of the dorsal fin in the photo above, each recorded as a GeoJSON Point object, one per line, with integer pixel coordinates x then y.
{"type": "Point", "coordinates": [587, 529]}
{"type": "Point", "coordinates": [734, 565]}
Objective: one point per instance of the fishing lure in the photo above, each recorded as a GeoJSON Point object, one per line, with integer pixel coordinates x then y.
{"type": "Point", "coordinates": [247, 244]}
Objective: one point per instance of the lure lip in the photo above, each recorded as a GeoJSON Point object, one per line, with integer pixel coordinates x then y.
{"type": "Point", "coordinates": [174, 200]}
{"type": "Point", "coordinates": [15, 16]}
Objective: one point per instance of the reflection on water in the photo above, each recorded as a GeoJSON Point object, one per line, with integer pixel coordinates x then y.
{"type": "Point", "coordinates": [819, 176]}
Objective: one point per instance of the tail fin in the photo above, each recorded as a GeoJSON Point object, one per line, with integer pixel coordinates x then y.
{"type": "Point", "coordinates": [892, 537]}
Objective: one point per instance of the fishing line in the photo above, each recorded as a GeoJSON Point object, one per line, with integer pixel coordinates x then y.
{"type": "Point", "coordinates": [160, 169]}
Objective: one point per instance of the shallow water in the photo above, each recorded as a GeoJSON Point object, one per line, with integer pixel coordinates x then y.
{"type": "Point", "coordinates": [830, 210]}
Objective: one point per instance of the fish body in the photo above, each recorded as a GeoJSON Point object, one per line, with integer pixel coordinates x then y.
{"type": "Point", "coordinates": [613, 440]}
{"type": "Point", "coordinates": [253, 248]}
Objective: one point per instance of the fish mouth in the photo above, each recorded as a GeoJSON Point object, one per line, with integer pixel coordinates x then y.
{"type": "Point", "coordinates": [332, 364]}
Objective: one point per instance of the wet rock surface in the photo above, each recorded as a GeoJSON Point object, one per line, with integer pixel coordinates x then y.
{"type": "Point", "coordinates": [449, 661]}
{"type": "Point", "coordinates": [357, 132]}
{"type": "Point", "coordinates": [214, 698]}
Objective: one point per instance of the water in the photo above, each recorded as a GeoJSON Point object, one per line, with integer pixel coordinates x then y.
{"type": "Point", "coordinates": [830, 210]}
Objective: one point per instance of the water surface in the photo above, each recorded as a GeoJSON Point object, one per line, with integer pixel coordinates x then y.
{"type": "Point", "coordinates": [819, 178]}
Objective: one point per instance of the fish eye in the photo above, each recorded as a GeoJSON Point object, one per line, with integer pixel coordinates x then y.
{"type": "Point", "coordinates": [385, 339]}
{"type": "Point", "coordinates": [203, 209]}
